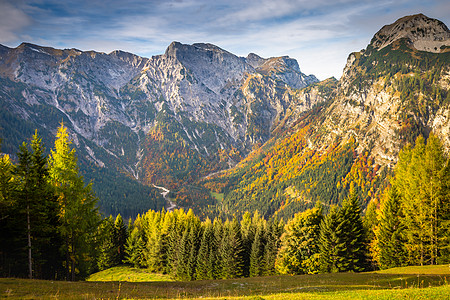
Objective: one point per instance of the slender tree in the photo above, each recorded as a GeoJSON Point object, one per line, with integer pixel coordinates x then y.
{"type": "Point", "coordinates": [120, 239]}
{"type": "Point", "coordinates": [77, 206]}
{"type": "Point", "coordinates": [390, 233]}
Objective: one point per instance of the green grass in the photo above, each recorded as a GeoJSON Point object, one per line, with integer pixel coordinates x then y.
{"type": "Point", "coordinates": [218, 196]}
{"type": "Point", "coordinates": [124, 273]}
{"type": "Point", "coordinates": [427, 283]}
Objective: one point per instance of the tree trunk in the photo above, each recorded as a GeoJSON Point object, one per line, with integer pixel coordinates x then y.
{"type": "Point", "coordinates": [30, 262]}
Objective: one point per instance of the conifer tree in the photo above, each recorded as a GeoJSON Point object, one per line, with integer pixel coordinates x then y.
{"type": "Point", "coordinates": [135, 245]}
{"type": "Point", "coordinates": [421, 179]}
{"type": "Point", "coordinates": [330, 242]}
{"type": "Point", "coordinates": [107, 247]}
{"type": "Point", "coordinates": [35, 202]}
{"type": "Point", "coordinates": [77, 206]}
{"type": "Point", "coordinates": [353, 236]}
{"type": "Point", "coordinates": [275, 229]}
{"type": "Point", "coordinates": [120, 239]}
{"type": "Point", "coordinates": [208, 248]}
{"type": "Point", "coordinates": [7, 217]}
{"type": "Point", "coordinates": [257, 253]}
{"type": "Point", "coordinates": [390, 235]}
{"type": "Point", "coordinates": [231, 249]}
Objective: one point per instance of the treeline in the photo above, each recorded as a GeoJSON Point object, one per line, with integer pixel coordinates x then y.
{"type": "Point", "coordinates": [412, 224]}
{"type": "Point", "coordinates": [50, 227]}
{"type": "Point", "coordinates": [409, 227]}
{"type": "Point", "coordinates": [48, 216]}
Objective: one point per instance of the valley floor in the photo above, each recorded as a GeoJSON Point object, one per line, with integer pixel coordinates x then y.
{"type": "Point", "coordinates": [429, 282]}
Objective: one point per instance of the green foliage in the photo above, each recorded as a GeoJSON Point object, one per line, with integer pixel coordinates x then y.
{"type": "Point", "coordinates": [300, 243]}
{"type": "Point", "coordinates": [77, 207]}
{"type": "Point", "coordinates": [390, 233]}
{"type": "Point", "coordinates": [421, 179]}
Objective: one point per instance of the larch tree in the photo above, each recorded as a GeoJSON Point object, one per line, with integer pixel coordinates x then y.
{"type": "Point", "coordinates": [78, 212]}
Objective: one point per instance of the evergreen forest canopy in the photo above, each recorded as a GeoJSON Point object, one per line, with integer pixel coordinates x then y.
{"type": "Point", "coordinates": [51, 227]}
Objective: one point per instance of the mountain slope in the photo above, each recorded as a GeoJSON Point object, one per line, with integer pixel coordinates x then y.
{"type": "Point", "coordinates": [165, 120]}
{"type": "Point", "coordinates": [390, 93]}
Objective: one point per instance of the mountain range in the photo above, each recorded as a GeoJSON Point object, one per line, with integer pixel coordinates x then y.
{"type": "Point", "coordinates": [226, 133]}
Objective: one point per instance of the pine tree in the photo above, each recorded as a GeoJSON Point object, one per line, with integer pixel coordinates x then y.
{"type": "Point", "coordinates": [77, 205]}
{"type": "Point", "coordinates": [390, 233]}
{"type": "Point", "coordinates": [257, 253]}
{"type": "Point", "coordinates": [231, 249]}
{"type": "Point", "coordinates": [107, 247]}
{"type": "Point", "coordinates": [135, 245]}
{"type": "Point", "coordinates": [23, 172]}
{"type": "Point", "coordinates": [273, 241]}
{"type": "Point", "coordinates": [353, 236]}
{"type": "Point", "coordinates": [120, 239]}
{"type": "Point", "coordinates": [208, 247]}
{"type": "Point", "coordinates": [330, 243]}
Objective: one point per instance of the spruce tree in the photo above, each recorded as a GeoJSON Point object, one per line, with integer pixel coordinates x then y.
{"type": "Point", "coordinates": [330, 242]}
{"type": "Point", "coordinates": [257, 253]}
{"type": "Point", "coordinates": [107, 247]}
{"type": "Point", "coordinates": [120, 239]}
{"type": "Point", "coordinates": [135, 245]}
{"type": "Point", "coordinates": [352, 236]}
{"type": "Point", "coordinates": [231, 249]}
{"type": "Point", "coordinates": [390, 233]}
{"type": "Point", "coordinates": [275, 229]}
{"type": "Point", "coordinates": [205, 266]}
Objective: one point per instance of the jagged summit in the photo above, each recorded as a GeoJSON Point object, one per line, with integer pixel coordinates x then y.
{"type": "Point", "coordinates": [421, 32]}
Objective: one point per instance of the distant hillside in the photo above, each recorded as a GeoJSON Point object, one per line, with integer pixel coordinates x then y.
{"type": "Point", "coordinates": [389, 94]}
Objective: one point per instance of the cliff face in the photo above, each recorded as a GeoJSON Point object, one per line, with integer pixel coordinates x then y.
{"type": "Point", "coordinates": [213, 100]}
{"type": "Point", "coordinates": [390, 93]}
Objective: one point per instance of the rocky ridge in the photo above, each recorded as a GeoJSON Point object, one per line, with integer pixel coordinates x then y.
{"type": "Point", "coordinates": [219, 102]}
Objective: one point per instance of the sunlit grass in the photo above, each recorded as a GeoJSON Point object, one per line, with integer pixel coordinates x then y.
{"type": "Point", "coordinates": [412, 283]}
{"type": "Point", "coordinates": [124, 273]}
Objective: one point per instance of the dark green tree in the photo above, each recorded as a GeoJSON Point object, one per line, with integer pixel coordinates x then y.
{"type": "Point", "coordinates": [257, 253]}
{"type": "Point", "coordinates": [390, 233]}
{"type": "Point", "coordinates": [354, 236]}
{"type": "Point", "coordinates": [107, 248]}
{"type": "Point", "coordinates": [330, 242]}
{"type": "Point", "coordinates": [120, 239]}
{"type": "Point", "coordinates": [231, 250]}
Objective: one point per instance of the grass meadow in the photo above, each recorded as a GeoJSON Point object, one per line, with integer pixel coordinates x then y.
{"type": "Point", "coordinates": [429, 282]}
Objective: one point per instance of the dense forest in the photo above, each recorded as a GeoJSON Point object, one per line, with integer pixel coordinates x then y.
{"type": "Point", "coordinates": [51, 227]}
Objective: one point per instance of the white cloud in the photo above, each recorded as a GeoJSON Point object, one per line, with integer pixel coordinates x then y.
{"type": "Point", "coordinates": [12, 21]}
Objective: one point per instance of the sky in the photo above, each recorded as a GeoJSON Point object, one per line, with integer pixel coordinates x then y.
{"type": "Point", "coordinates": [319, 34]}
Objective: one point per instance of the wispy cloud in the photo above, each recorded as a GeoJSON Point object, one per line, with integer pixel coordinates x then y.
{"type": "Point", "coordinates": [12, 22]}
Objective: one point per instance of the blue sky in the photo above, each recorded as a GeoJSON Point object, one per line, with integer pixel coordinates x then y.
{"type": "Point", "coordinates": [319, 34]}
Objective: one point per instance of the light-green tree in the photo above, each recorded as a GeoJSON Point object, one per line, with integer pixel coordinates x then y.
{"type": "Point", "coordinates": [78, 212]}
{"type": "Point", "coordinates": [299, 252]}
{"type": "Point", "coordinates": [422, 181]}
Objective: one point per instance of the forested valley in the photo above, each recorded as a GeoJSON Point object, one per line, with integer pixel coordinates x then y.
{"type": "Point", "coordinates": [51, 227]}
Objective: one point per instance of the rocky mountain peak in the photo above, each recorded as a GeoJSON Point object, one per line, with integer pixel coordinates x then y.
{"type": "Point", "coordinates": [421, 32]}
{"type": "Point", "coordinates": [254, 60]}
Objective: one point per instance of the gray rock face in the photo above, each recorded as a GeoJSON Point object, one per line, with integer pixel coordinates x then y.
{"type": "Point", "coordinates": [421, 32]}
{"type": "Point", "coordinates": [113, 100]}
